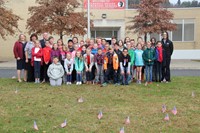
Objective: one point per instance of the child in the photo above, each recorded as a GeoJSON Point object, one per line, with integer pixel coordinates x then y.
{"type": "Point", "coordinates": [132, 56]}
{"type": "Point", "coordinates": [160, 57]}
{"type": "Point", "coordinates": [94, 49]}
{"type": "Point", "coordinates": [99, 61]}
{"type": "Point", "coordinates": [55, 72]}
{"type": "Point", "coordinates": [79, 65]}
{"type": "Point", "coordinates": [69, 66]}
{"type": "Point", "coordinates": [37, 60]}
{"type": "Point", "coordinates": [83, 50]}
{"type": "Point", "coordinates": [125, 64]}
{"type": "Point", "coordinates": [116, 68]}
{"type": "Point", "coordinates": [55, 52]}
{"type": "Point", "coordinates": [89, 62]}
{"type": "Point", "coordinates": [47, 59]}
{"type": "Point", "coordinates": [108, 66]}
{"type": "Point", "coordinates": [148, 57]}
{"type": "Point", "coordinates": [139, 62]}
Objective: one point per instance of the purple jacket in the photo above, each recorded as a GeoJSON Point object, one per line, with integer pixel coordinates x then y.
{"type": "Point", "coordinates": [55, 53]}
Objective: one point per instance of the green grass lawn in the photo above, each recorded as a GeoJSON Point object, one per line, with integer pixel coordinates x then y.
{"type": "Point", "coordinates": [50, 106]}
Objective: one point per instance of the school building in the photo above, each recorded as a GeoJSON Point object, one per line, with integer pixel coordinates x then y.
{"type": "Point", "coordinates": [111, 17]}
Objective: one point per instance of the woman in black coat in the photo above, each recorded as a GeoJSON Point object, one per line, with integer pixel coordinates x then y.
{"type": "Point", "coordinates": [168, 47]}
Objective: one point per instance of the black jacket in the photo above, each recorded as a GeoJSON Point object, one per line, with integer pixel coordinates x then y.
{"type": "Point", "coordinates": [168, 47]}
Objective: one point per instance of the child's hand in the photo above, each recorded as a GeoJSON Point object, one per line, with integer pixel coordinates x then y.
{"type": "Point", "coordinates": [122, 72]}
{"type": "Point", "coordinates": [128, 72]}
{"type": "Point", "coordinates": [18, 58]}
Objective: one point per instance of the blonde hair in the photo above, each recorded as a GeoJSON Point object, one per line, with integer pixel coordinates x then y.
{"type": "Point", "coordinates": [19, 39]}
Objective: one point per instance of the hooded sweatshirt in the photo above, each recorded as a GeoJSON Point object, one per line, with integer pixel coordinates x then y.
{"type": "Point", "coordinates": [55, 71]}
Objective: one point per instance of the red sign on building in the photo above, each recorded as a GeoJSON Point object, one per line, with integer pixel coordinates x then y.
{"type": "Point", "coordinates": [105, 4]}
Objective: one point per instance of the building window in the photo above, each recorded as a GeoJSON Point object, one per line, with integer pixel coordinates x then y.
{"type": "Point", "coordinates": [185, 30]}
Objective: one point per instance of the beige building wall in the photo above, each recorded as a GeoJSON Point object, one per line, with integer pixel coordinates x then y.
{"type": "Point", "coordinates": [114, 18]}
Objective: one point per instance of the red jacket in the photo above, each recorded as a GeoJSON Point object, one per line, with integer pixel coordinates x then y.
{"type": "Point", "coordinates": [46, 54]}
{"type": "Point", "coordinates": [18, 50]}
{"type": "Point", "coordinates": [37, 55]}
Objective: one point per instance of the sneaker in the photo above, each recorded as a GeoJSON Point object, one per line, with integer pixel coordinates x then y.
{"type": "Point", "coordinates": [139, 82]}
{"type": "Point", "coordinates": [104, 84]}
{"type": "Point", "coordinates": [80, 83]}
{"type": "Point", "coordinates": [146, 84]}
{"type": "Point", "coordinates": [77, 83]}
{"type": "Point", "coordinates": [70, 83]}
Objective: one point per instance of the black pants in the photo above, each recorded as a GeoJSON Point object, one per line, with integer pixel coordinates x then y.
{"type": "Point", "coordinates": [30, 72]}
{"type": "Point", "coordinates": [158, 71]}
{"type": "Point", "coordinates": [45, 76]}
{"type": "Point", "coordinates": [116, 78]}
{"type": "Point", "coordinates": [108, 73]}
{"type": "Point", "coordinates": [166, 70]}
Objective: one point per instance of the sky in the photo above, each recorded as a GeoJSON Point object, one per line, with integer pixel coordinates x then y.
{"type": "Point", "coordinates": [175, 1]}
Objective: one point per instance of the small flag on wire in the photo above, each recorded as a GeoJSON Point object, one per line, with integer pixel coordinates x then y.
{"type": "Point", "coordinates": [164, 108]}
{"type": "Point", "coordinates": [100, 115]}
{"type": "Point", "coordinates": [121, 130]}
{"type": "Point", "coordinates": [166, 117]}
{"type": "Point", "coordinates": [64, 124]}
{"type": "Point", "coordinates": [16, 91]}
{"type": "Point", "coordinates": [35, 126]}
{"type": "Point", "coordinates": [193, 95]}
{"type": "Point", "coordinates": [80, 100]}
{"type": "Point", "coordinates": [127, 121]}
{"type": "Point", "coordinates": [174, 111]}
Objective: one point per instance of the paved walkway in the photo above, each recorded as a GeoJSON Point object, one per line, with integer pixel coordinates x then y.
{"type": "Point", "coordinates": [175, 64]}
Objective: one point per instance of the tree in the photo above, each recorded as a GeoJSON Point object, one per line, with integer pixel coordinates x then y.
{"type": "Point", "coordinates": [152, 18]}
{"type": "Point", "coordinates": [179, 3]}
{"type": "Point", "coordinates": [8, 21]}
{"type": "Point", "coordinates": [57, 16]}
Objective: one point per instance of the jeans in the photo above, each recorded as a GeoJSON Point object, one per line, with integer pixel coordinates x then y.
{"type": "Point", "coordinates": [149, 69]}
{"type": "Point", "coordinates": [158, 76]}
{"type": "Point", "coordinates": [45, 67]}
{"type": "Point", "coordinates": [99, 75]}
{"type": "Point", "coordinates": [116, 77]}
{"type": "Point", "coordinates": [125, 76]}
{"type": "Point", "coordinates": [37, 69]}
{"type": "Point", "coordinates": [79, 77]}
{"type": "Point", "coordinates": [68, 78]}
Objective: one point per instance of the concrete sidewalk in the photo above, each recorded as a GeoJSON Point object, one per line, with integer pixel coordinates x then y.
{"type": "Point", "coordinates": [175, 64]}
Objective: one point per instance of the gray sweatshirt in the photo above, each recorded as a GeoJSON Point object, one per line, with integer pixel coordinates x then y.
{"type": "Point", "coordinates": [55, 71]}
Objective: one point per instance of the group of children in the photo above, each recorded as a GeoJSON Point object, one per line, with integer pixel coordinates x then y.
{"type": "Point", "coordinates": [90, 62]}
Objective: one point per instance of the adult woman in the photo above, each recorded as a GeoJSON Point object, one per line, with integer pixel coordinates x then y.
{"type": "Point", "coordinates": [28, 54]}
{"type": "Point", "coordinates": [168, 47]}
{"type": "Point", "coordinates": [20, 56]}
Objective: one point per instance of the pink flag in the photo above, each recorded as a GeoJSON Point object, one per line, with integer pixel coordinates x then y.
{"type": "Point", "coordinates": [100, 115]}
{"type": "Point", "coordinates": [164, 108]}
{"type": "Point", "coordinates": [127, 121]}
{"type": "Point", "coordinates": [166, 117]}
{"type": "Point", "coordinates": [174, 111]}
{"type": "Point", "coordinates": [64, 124]}
{"type": "Point", "coordinates": [35, 126]}
{"type": "Point", "coordinates": [121, 130]}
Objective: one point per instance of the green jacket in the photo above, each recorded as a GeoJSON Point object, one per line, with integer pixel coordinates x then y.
{"type": "Point", "coordinates": [132, 55]}
{"type": "Point", "coordinates": [79, 64]}
{"type": "Point", "coordinates": [149, 54]}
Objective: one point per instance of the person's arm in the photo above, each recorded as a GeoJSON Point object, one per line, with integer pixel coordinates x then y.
{"type": "Point", "coordinates": [15, 51]}
{"type": "Point", "coordinates": [72, 67]}
{"type": "Point", "coordinates": [121, 68]}
{"type": "Point", "coordinates": [65, 66]}
{"type": "Point", "coordinates": [171, 48]}
{"type": "Point", "coordinates": [26, 52]}
{"type": "Point", "coordinates": [92, 61]}
{"type": "Point", "coordinates": [85, 62]}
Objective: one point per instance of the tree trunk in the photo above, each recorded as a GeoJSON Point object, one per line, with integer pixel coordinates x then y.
{"type": "Point", "coordinates": [61, 35]}
{"type": "Point", "coordinates": [145, 37]}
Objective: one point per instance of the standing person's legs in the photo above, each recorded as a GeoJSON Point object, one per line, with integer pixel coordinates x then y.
{"type": "Point", "coordinates": [97, 74]}
{"type": "Point", "coordinates": [35, 70]}
{"type": "Point", "coordinates": [140, 73]}
{"type": "Point", "coordinates": [101, 74]}
{"type": "Point", "coordinates": [168, 61]}
{"type": "Point", "coordinates": [87, 76]}
{"type": "Point", "coordinates": [19, 68]}
{"type": "Point", "coordinates": [147, 73]}
{"type": "Point", "coordinates": [126, 75]}
{"type": "Point", "coordinates": [159, 71]}
{"type": "Point", "coordinates": [150, 73]}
